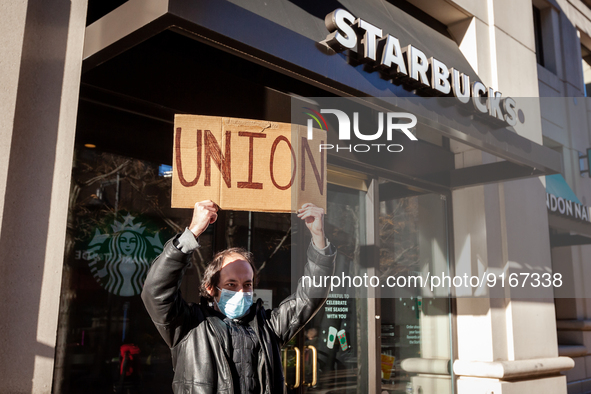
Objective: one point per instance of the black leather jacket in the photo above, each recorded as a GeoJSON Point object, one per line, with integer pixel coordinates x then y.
{"type": "Point", "coordinates": [199, 339]}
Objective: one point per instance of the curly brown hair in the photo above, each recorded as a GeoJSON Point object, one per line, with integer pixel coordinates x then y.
{"type": "Point", "coordinates": [211, 276]}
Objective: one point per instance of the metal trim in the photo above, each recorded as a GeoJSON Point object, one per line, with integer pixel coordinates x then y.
{"type": "Point", "coordinates": [558, 240]}
{"type": "Point", "coordinates": [559, 222]}
{"type": "Point", "coordinates": [372, 207]}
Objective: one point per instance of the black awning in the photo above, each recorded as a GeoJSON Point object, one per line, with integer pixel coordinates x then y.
{"type": "Point", "coordinates": [306, 18]}
{"type": "Point", "coordinates": [284, 35]}
{"type": "Point", "coordinates": [567, 231]}
{"type": "Point", "coordinates": [560, 240]}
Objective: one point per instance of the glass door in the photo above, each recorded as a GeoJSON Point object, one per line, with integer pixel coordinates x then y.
{"type": "Point", "coordinates": [364, 339]}
{"type": "Point", "coordinates": [415, 329]}
{"type": "Point", "coordinates": [331, 351]}
{"type": "Point", "coordinates": [368, 338]}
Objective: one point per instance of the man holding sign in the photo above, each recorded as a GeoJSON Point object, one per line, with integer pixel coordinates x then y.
{"type": "Point", "coordinates": [227, 344]}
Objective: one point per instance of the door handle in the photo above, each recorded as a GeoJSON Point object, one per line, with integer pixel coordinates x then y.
{"type": "Point", "coordinates": [314, 367]}
{"type": "Point", "coordinates": [297, 366]}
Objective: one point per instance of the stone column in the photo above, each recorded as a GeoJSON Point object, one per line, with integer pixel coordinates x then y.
{"type": "Point", "coordinates": [40, 64]}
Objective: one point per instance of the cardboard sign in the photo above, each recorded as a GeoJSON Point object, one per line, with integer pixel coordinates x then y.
{"type": "Point", "coordinates": [247, 165]}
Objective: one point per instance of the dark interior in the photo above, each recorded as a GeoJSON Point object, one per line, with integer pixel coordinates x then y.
{"type": "Point", "coordinates": [138, 92]}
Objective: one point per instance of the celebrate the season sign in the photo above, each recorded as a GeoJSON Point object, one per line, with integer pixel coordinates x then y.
{"type": "Point", "coordinates": [246, 164]}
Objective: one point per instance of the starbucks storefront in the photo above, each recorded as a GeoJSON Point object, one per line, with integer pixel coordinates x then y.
{"type": "Point", "coordinates": [386, 214]}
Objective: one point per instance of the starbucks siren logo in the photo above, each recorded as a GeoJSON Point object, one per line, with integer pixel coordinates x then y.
{"type": "Point", "coordinates": [120, 260]}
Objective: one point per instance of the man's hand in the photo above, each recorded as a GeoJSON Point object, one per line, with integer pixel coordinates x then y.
{"type": "Point", "coordinates": [204, 214]}
{"type": "Point", "coordinates": [314, 218]}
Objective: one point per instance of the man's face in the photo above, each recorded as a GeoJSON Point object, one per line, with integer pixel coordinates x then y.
{"type": "Point", "coordinates": [236, 275]}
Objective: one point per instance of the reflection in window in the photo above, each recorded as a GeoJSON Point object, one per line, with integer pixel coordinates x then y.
{"type": "Point", "coordinates": [119, 219]}
{"type": "Point", "coordinates": [399, 256]}
{"type": "Point", "coordinates": [336, 339]}
{"type": "Point", "coordinates": [268, 237]}
{"type": "Point", "coordinates": [414, 329]}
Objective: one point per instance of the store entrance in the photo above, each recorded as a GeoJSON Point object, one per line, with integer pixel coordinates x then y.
{"type": "Point", "coordinates": [364, 339]}
{"type": "Point", "coordinates": [331, 351]}
{"type": "Point", "coordinates": [357, 343]}
{"type": "Point", "coordinates": [122, 166]}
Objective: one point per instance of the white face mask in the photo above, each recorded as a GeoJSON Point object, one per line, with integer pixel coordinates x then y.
{"type": "Point", "coordinates": [234, 304]}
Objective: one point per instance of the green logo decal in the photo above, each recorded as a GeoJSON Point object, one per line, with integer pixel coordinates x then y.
{"type": "Point", "coordinates": [119, 259]}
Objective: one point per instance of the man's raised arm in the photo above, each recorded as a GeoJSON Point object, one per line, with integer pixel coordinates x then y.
{"type": "Point", "coordinates": [161, 292]}
{"type": "Point", "coordinates": [296, 310]}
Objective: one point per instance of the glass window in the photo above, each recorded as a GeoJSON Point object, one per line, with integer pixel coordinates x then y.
{"type": "Point", "coordinates": [538, 35]}
{"type": "Point", "coordinates": [415, 330]}
{"type": "Point", "coordinates": [334, 350]}
{"type": "Point", "coordinates": [268, 237]}
{"type": "Point", "coordinates": [545, 21]}
{"type": "Point", "coordinates": [583, 164]}
{"type": "Point", "coordinates": [119, 219]}
{"type": "Point", "coordinates": [412, 333]}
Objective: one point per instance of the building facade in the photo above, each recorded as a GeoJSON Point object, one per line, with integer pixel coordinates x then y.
{"type": "Point", "coordinates": [90, 90]}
